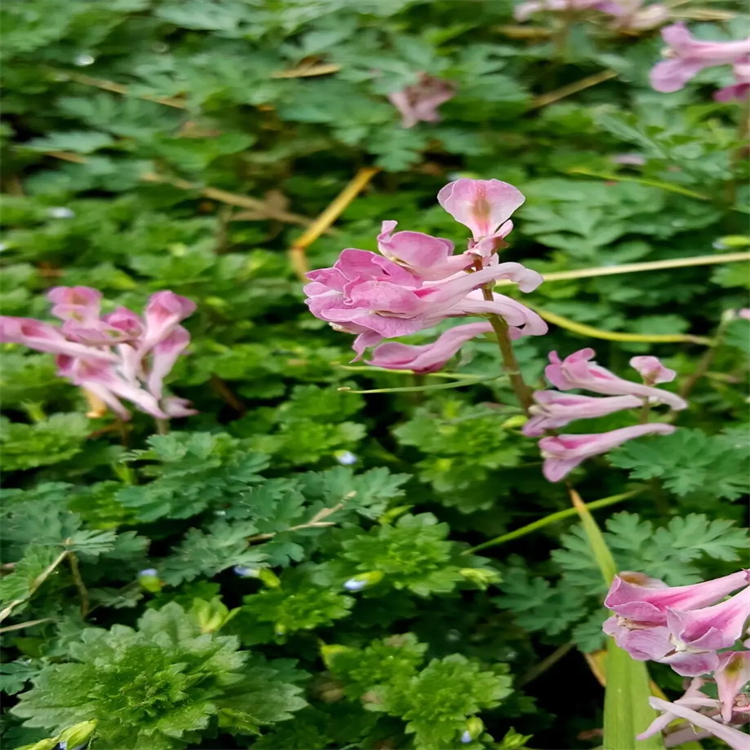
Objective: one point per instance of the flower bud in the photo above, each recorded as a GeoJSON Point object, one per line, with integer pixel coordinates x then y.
{"type": "Point", "coordinates": [48, 744]}
{"type": "Point", "coordinates": [149, 579]}
{"type": "Point", "coordinates": [480, 576]}
{"type": "Point", "coordinates": [474, 729]}
{"type": "Point", "coordinates": [363, 580]}
{"type": "Point", "coordinates": [244, 572]}
{"type": "Point", "coordinates": [269, 578]}
{"type": "Point", "coordinates": [518, 420]}
{"type": "Point", "coordinates": [77, 735]}
{"type": "Point", "coordinates": [329, 653]}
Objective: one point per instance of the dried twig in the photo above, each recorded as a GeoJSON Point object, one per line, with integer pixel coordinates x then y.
{"type": "Point", "coordinates": [572, 88]}
{"type": "Point", "coordinates": [264, 210]}
{"type": "Point", "coordinates": [324, 221]}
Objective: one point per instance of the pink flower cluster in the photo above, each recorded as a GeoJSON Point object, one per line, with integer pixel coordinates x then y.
{"type": "Point", "coordinates": [116, 356]}
{"type": "Point", "coordinates": [688, 56]}
{"type": "Point", "coordinates": [627, 14]}
{"type": "Point", "coordinates": [419, 102]}
{"type": "Point", "coordinates": [417, 282]}
{"type": "Point", "coordinates": [695, 630]}
{"type": "Point", "coordinates": [554, 409]}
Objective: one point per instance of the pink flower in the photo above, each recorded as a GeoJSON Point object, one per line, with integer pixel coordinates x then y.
{"type": "Point", "coordinates": [44, 337]}
{"type": "Point", "coordinates": [575, 371]}
{"type": "Point", "coordinates": [75, 302]}
{"type": "Point", "coordinates": [633, 14]}
{"type": "Point", "coordinates": [744, 313]}
{"type": "Point", "coordinates": [164, 356]}
{"type": "Point", "coordinates": [646, 600]}
{"type": "Point", "coordinates": [741, 87]}
{"type": "Point", "coordinates": [118, 356]}
{"type": "Point", "coordinates": [652, 371]}
{"type": "Point", "coordinates": [429, 258]}
{"type": "Point", "coordinates": [163, 312]}
{"type": "Point", "coordinates": [689, 56]}
{"type": "Point", "coordinates": [429, 357]}
{"type": "Point", "coordinates": [698, 633]}
{"type": "Point", "coordinates": [564, 452]}
{"type": "Point", "coordinates": [685, 709]}
{"type": "Point", "coordinates": [732, 674]}
{"type": "Point", "coordinates": [554, 409]}
{"type": "Point", "coordinates": [419, 102]}
{"type": "Point", "coordinates": [366, 294]}
{"type": "Point", "coordinates": [521, 320]}
{"type": "Point", "coordinates": [103, 380]}
{"type": "Point", "coordinates": [484, 206]}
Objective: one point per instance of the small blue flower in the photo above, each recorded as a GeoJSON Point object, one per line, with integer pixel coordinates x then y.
{"type": "Point", "coordinates": [466, 737]}
{"type": "Point", "coordinates": [354, 585]}
{"type": "Point", "coordinates": [346, 458]}
{"type": "Point", "coordinates": [82, 59]}
{"type": "Point", "coordinates": [244, 572]}
{"type": "Point", "coordinates": [60, 212]}
{"type": "Point", "coordinates": [149, 572]}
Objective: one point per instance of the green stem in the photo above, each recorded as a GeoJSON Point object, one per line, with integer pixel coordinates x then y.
{"type": "Point", "coordinates": [82, 590]}
{"type": "Point", "coordinates": [707, 358]}
{"type": "Point", "coordinates": [553, 518]}
{"type": "Point", "coordinates": [645, 410]}
{"type": "Point", "coordinates": [510, 363]}
{"type": "Point", "coordinates": [162, 426]}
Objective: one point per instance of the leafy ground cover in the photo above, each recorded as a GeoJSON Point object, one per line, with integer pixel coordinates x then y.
{"type": "Point", "coordinates": [328, 554]}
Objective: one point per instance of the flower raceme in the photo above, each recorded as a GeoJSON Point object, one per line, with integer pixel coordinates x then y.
{"type": "Point", "coordinates": [688, 56]}
{"type": "Point", "coordinates": [116, 356]}
{"type": "Point", "coordinates": [418, 282]}
{"type": "Point", "coordinates": [552, 410]}
{"type": "Point", "coordinates": [688, 627]}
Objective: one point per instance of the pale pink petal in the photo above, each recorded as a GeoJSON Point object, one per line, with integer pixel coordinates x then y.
{"type": "Point", "coordinates": [429, 357]}
{"type": "Point", "coordinates": [652, 370]}
{"type": "Point", "coordinates": [163, 357]}
{"type": "Point", "coordinates": [736, 739]}
{"type": "Point", "coordinates": [79, 302]}
{"type": "Point", "coordinates": [480, 205]}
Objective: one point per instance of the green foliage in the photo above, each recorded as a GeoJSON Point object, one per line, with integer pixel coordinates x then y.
{"type": "Point", "coordinates": [157, 686]}
{"type": "Point", "coordinates": [435, 701]}
{"type": "Point", "coordinates": [691, 461]}
{"type": "Point", "coordinates": [49, 441]}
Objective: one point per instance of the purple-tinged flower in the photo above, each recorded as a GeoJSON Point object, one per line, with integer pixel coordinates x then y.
{"type": "Point", "coordinates": [698, 633]}
{"type": "Point", "coordinates": [563, 453]}
{"type": "Point", "coordinates": [354, 585]}
{"type": "Point", "coordinates": [428, 357]}
{"type": "Point", "coordinates": [689, 56]}
{"type": "Point", "coordinates": [652, 370]}
{"type": "Point", "coordinates": [429, 258]}
{"type": "Point", "coordinates": [553, 409]}
{"type": "Point", "coordinates": [521, 320]}
{"type": "Point", "coordinates": [112, 357]}
{"type": "Point", "coordinates": [164, 356]}
{"type": "Point", "coordinates": [148, 572]}
{"type": "Point", "coordinates": [685, 709]}
{"type": "Point", "coordinates": [633, 14]}
{"type": "Point", "coordinates": [466, 737]}
{"type": "Point", "coordinates": [366, 293]}
{"type": "Point", "coordinates": [484, 206]}
{"type": "Point", "coordinates": [741, 87]}
{"type": "Point", "coordinates": [363, 580]}
{"type": "Point", "coordinates": [646, 600]}
{"type": "Point", "coordinates": [44, 337]}
{"type": "Point", "coordinates": [419, 102]}
{"type": "Point", "coordinates": [575, 371]}
{"type": "Point", "coordinates": [731, 676]}
{"type": "Point", "coordinates": [744, 313]}
{"type": "Point", "coordinates": [75, 302]}
{"type": "Point", "coordinates": [163, 312]}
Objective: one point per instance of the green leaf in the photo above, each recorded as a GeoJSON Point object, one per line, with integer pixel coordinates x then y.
{"type": "Point", "coordinates": [81, 142]}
